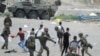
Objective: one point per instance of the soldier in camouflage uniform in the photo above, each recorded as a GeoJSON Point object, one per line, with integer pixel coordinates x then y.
{"type": "Point", "coordinates": [43, 40]}
{"type": "Point", "coordinates": [85, 45]}
{"type": "Point", "coordinates": [8, 20]}
{"type": "Point", "coordinates": [49, 12]}
{"type": "Point", "coordinates": [5, 35]}
{"type": "Point", "coordinates": [30, 44]}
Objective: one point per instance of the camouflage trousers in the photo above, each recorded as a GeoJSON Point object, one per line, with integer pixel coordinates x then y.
{"type": "Point", "coordinates": [41, 50]}
{"type": "Point", "coordinates": [31, 52]}
{"type": "Point", "coordinates": [5, 45]}
{"type": "Point", "coordinates": [85, 49]}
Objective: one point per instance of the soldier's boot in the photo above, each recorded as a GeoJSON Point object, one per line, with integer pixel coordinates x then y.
{"type": "Point", "coordinates": [82, 51]}
{"type": "Point", "coordinates": [3, 46]}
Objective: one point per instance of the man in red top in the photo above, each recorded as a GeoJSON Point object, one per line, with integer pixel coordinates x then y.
{"type": "Point", "coordinates": [21, 34]}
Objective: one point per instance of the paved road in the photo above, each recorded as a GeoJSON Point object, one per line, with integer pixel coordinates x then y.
{"type": "Point", "coordinates": [75, 27]}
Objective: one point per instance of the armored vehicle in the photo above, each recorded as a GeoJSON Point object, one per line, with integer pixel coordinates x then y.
{"type": "Point", "coordinates": [34, 10]}
{"type": "Point", "coordinates": [2, 6]}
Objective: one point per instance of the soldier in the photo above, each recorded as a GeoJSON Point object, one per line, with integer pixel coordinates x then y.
{"type": "Point", "coordinates": [8, 20]}
{"type": "Point", "coordinates": [30, 44]}
{"type": "Point", "coordinates": [58, 2]}
{"type": "Point", "coordinates": [5, 35]}
{"type": "Point", "coordinates": [85, 45]}
{"type": "Point", "coordinates": [43, 40]}
{"type": "Point", "coordinates": [49, 12]}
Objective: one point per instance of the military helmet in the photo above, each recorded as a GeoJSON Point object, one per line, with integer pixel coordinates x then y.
{"type": "Point", "coordinates": [80, 34]}
{"type": "Point", "coordinates": [45, 29]}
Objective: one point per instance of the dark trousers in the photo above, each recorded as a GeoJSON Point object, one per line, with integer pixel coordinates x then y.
{"type": "Point", "coordinates": [65, 48]}
{"type": "Point", "coordinates": [59, 42]}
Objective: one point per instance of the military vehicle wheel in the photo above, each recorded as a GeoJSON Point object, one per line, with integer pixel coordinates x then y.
{"type": "Point", "coordinates": [32, 15]}
{"type": "Point", "coordinates": [44, 16]}
{"type": "Point", "coordinates": [20, 14]}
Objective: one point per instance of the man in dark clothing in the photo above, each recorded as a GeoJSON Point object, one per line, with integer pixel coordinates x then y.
{"type": "Point", "coordinates": [5, 35]}
{"type": "Point", "coordinates": [8, 20]}
{"type": "Point", "coordinates": [65, 41]}
{"type": "Point", "coordinates": [43, 40]}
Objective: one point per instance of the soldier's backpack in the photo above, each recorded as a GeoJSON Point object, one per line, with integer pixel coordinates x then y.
{"type": "Point", "coordinates": [30, 42]}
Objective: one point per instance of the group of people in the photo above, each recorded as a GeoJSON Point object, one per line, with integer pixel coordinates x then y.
{"type": "Point", "coordinates": [43, 36]}
{"type": "Point", "coordinates": [72, 46]}
{"type": "Point", "coordinates": [27, 44]}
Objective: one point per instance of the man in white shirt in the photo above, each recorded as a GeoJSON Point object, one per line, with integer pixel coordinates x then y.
{"type": "Point", "coordinates": [39, 31]}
